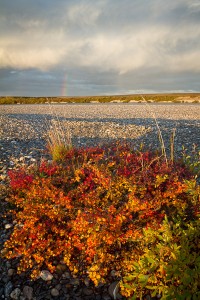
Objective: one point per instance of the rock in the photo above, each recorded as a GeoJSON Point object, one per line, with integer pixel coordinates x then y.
{"type": "Point", "coordinates": [1, 291]}
{"type": "Point", "coordinates": [46, 275]}
{"type": "Point", "coordinates": [28, 292]}
{"type": "Point", "coordinates": [54, 292]}
{"type": "Point", "coordinates": [113, 290]}
{"type": "Point", "coordinates": [33, 160]}
{"type": "Point", "coordinates": [87, 282]}
{"type": "Point", "coordinates": [8, 264]}
{"type": "Point", "coordinates": [66, 275]}
{"type": "Point", "coordinates": [113, 273]}
{"type": "Point", "coordinates": [58, 287]}
{"type": "Point", "coordinates": [8, 226]}
{"type": "Point", "coordinates": [75, 281]}
{"type": "Point", "coordinates": [15, 294]}
{"type": "Point", "coordinates": [87, 291]}
{"type": "Point", "coordinates": [106, 297]}
{"type": "Point", "coordinates": [8, 288]}
{"type": "Point", "coordinates": [11, 272]}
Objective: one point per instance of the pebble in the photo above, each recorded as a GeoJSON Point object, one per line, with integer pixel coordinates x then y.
{"type": "Point", "coordinates": [8, 226]}
{"type": "Point", "coordinates": [8, 288]}
{"type": "Point", "coordinates": [28, 292]}
{"type": "Point", "coordinates": [54, 292]}
{"type": "Point", "coordinates": [15, 294]}
{"type": "Point", "coordinates": [113, 290]}
{"type": "Point", "coordinates": [46, 275]}
{"type": "Point", "coordinates": [11, 272]}
{"type": "Point", "coordinates": [87, 282]}
{"type": "Point", "coordinates": [87, 291]}
{"type": "Point", "coordinates": [75, 281]}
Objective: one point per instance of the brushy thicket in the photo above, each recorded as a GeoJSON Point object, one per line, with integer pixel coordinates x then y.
{"type": "Point", "coordinates": [111, 208]}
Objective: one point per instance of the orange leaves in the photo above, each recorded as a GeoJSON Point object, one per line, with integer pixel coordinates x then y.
{"type": "Point", "coordinates": [90, 211]}
{"type": "Point", "coordinates": [38, 258]}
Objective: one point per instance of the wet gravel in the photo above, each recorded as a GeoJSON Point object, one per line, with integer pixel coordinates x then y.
{"type": "Point", "coordinates": [23, 134]}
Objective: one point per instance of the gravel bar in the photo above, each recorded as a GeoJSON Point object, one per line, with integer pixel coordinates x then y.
{"type": "Point", "coordinates": [23, 128]}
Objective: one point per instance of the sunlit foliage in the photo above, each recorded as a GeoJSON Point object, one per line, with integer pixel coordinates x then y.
{"type": "Point", "coordinates": [102, 209]}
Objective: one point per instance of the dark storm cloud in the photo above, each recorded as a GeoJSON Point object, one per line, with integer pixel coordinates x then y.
{"type": "Point", "coordinates": [121, 45]}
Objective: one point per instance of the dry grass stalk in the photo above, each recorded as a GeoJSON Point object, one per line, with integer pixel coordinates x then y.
{"type": "Point", "coordinates": [58, 138]}
{"type": "Point", "coordinates": [163, 148]}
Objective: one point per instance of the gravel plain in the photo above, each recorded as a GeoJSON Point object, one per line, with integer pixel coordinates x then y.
{"type": "Point", "coordinates": [23, 128]}
{"type": "Point", "coordinates": [23, 133]}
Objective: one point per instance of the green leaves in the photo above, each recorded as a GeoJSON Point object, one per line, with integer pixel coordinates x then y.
{"type": "Point", "coordinates": [143, 279]}
{"type": "Point", "coordinates": [171, 266]}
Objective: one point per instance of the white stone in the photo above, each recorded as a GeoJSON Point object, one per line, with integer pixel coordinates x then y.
{"type": "Point", "coordinates": [46, 275]}
{"type": "Point", "coordinates": [8, 226]}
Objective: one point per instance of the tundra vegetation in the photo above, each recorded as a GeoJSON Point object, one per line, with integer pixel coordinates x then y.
{"type": "Point", "coordinates": [177, 98]}
{"type": "Point", "coordinates": [110, 209]}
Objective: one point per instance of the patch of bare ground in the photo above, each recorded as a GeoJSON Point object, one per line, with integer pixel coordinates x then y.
{"type": "Point", "coordinates": [188, 99]}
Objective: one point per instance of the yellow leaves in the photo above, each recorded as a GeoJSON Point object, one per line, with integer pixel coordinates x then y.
{"type": "Point", "coordinates": [161, 269]}
{"type": "Point", "coordinates": [133, 203]}
{"type": "Point", "coordinates": [94, 268]}
{"type": "Point", "coordinates": [62, 232]}
{"type": "Point", "coordinates": [75, 270]}
{"type": "Point", "coordinates": [78, 174]}
{"type": "Point", "coordinates": [94, 275]}
{"type": "Point", "coordinates": [160, 179]}
{"type": "Point", "coordinates": [67, 258]}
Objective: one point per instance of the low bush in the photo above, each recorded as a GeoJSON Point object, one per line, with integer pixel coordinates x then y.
{"type": "Point", "coordinates": [105, 209]}
{"type": "Point", "coordinates": [169, 263]}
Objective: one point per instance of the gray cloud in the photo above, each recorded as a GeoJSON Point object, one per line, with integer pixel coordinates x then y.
{"type": "Point", "coordinates": [91, 40]}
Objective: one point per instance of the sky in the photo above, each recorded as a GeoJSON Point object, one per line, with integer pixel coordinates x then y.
{"type": "Point", "coordinates": [99, 47]}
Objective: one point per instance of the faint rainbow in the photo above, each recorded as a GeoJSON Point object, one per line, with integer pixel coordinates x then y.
{"type": "Point", "coordinates": [64, 86]}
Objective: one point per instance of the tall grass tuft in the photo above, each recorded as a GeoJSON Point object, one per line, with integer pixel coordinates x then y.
{"type": "Point", "coordinates": [59, 139]}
